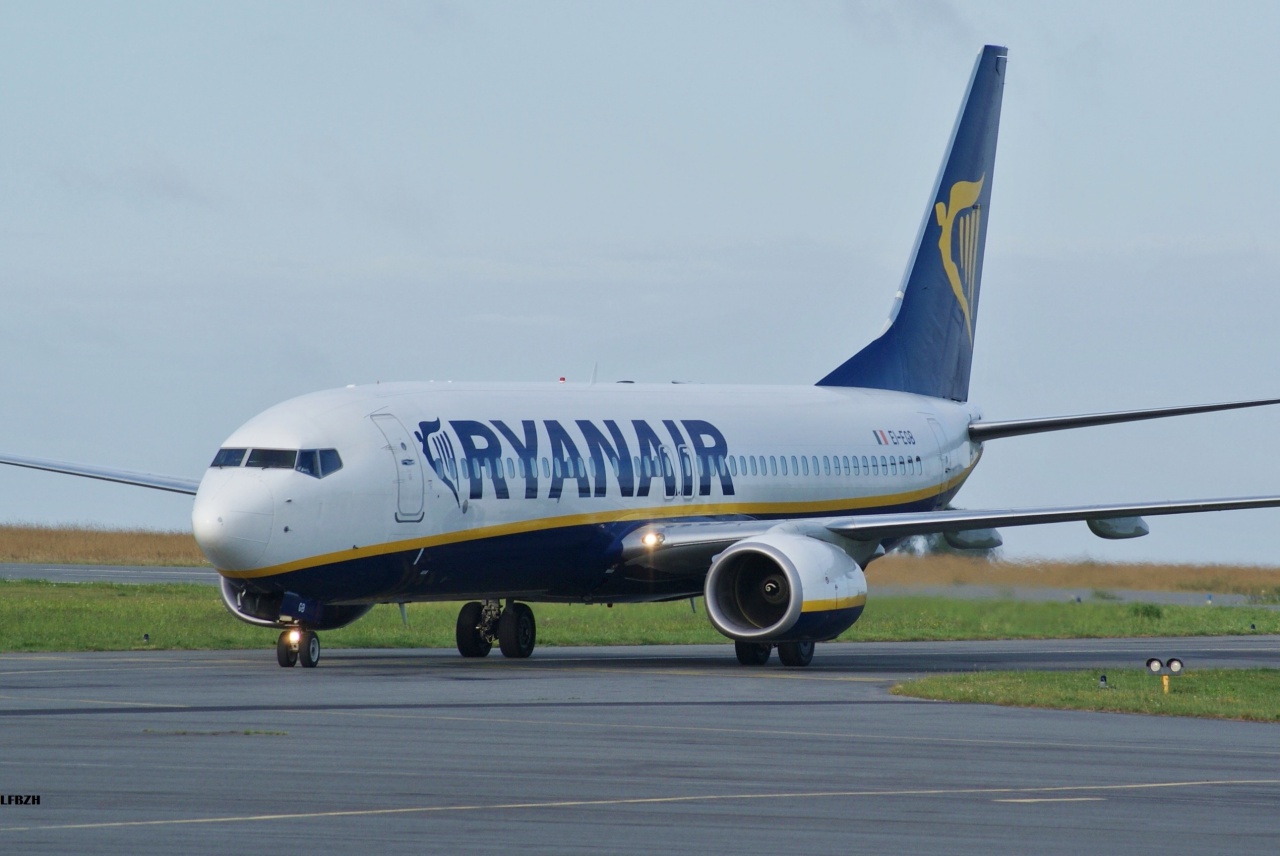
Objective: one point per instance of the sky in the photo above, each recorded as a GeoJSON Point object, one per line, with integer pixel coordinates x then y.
{"type": "Point", "coordinates": [209, 208]}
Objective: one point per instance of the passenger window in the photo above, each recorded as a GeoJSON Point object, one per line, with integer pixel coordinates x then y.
{"type": "Point", "coordinates": [228, 458]}
{"type": "Point", "coordinates": [865, 468]}
{"type": "Point", "coordinates": [773, 465]}
{"type": "Point", "coordinates": [875, 467]}
{"type": "Point", "coordinates": [733, 465]}
{"type": "Point", "coordinates": [666, 466]}
{"type": "Point", "coordinates": [919, 466]}
{"type": "Point", "coordinates": [845, 459]}
{"type": "Point", "coordinates": [884, 466]}
{"type": "Point", "coordinates": [273, 459]}
{"type": "Point", "coordinates": [546, 469]}
{"type": "Point", "coordinates": [826, 465]}
{"type": "Point", "coordinates": [893, 465]}
{"type": "Point", "coordinates": [857, 471]}
{"type": "Point", "coordinates": [521, 466]}
{"type": "Point", "coordinates": [753, 465]}
{"type": "Point", "coordinates": [555, 467]}
{"type": "Point", "coordinates": [815, 465]}
{"type": "Point", "coordinates": [804, 459]}
{"type": "Point", "coordinates": [742, 464]}
{"type": "Point", "coordinates": [784, 465]}
{"type": "Point", "coordinates": [511, 468]}
{"type": "Point", "coordinates": [477, 467]}
{"type": "Point", "coordinates": [902, 465]}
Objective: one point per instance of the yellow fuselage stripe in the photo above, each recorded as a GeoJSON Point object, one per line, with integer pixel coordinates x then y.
{"type": "Point", "coordinates": [616, 515]}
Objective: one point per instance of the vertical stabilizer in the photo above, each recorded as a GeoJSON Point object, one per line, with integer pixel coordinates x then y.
{"type": "Point", "coordinates": [928, 346]}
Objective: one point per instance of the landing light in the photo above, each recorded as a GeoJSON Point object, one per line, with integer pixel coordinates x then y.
{"type": "Point", "coordinates": [652, 539]}
{"type": "Point", "coordinates": [295, 636]}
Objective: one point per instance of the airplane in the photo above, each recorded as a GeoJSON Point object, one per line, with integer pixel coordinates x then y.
{"type": "Point", "coordinates": [768, 501]}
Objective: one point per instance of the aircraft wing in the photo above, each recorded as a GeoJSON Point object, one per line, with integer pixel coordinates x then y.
{"type": "Point", "coordinates": [980, 432]}
{"type": "Point", "coordinates": [688, 543]}
{"type": "Point", "coordinates": [878, 527]}
{"type": "Point", "coordinates": [157, 482]}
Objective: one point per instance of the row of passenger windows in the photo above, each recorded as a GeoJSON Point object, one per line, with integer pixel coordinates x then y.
{"type": "Point", "coordinates": [317, 463]}
{"type": "Point", "coordinates": [733, 465]}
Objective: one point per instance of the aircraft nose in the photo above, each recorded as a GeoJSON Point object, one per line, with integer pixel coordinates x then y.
{"type": "Point", "coordinates": [232, 518]}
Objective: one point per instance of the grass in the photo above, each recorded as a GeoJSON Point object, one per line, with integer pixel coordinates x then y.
{"type": "Point", "coordinates": [43, 616]}
{"type": "Point", "coordinates": [38, 544]}
{"type": "Point", "coordinates": [1248, 694]}
{"type": "Point", "coordinates": [48, 545]}
{"type": "Point", "coordinates": [1260, 584]}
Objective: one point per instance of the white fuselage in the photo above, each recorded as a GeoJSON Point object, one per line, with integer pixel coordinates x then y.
{"type": "Point", "coordinates": [425, 466]}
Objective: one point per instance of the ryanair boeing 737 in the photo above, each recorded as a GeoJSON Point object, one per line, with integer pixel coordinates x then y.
{"type": "Point", "coordinates": [769, 501]}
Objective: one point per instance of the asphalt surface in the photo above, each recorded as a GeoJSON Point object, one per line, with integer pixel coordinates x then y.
{"type": "Point", "coordinates": [107, 573]}
{"type": "Point", "coordinates": [617, 750]}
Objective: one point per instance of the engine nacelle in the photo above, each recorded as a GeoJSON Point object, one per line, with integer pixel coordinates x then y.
{"type": "Point", "coordinates": [784, 587]}
{"type": "Point", "coordinates": [262, 609]}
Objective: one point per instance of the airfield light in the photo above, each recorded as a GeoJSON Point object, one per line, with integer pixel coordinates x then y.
{"type": "Point", "coordinates": [1154, 666]}
{"type": "Point", "coordinates": [1175, 665]}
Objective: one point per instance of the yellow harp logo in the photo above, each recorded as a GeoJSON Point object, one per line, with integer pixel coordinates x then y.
{"type": "Point", "coordinates": [959, 218]}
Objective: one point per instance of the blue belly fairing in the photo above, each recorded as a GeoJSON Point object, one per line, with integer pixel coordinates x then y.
{"type": "Point", "coordinates": [570, 564]}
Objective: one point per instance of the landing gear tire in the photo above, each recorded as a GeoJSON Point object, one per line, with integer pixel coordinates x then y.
{"type": "Point", "coordinates": [286, 654]}
{"type": "Point", "coordinates": [517, 631]}
{"type": "Point", "coordinates": [752, 653]}
{"type": "Point", "coordinates": [471, 641]}
{"type": "Point", "coordinates": [309, 649]}
{"type": "Point", "coordinates": [796, 654]}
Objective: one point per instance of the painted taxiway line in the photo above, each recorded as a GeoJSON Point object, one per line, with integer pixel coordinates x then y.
{"type": "Point", "coordinates": [604, 803]}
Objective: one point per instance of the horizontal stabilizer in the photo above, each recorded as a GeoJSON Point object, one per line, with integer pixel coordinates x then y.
{"type": "Point", "coordinates": [169, 483]}
{"type": "Point", "coordinates": [980, 432]}
{"type": "Point", "coordinates": [880, 527]}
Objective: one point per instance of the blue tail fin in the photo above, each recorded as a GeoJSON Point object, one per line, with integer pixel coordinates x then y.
{"type": "Point", "coordinates": [928, 345]}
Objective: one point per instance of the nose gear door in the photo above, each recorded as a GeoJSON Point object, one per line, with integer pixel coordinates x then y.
{"type": "Point", "coordinates": [410, 483]}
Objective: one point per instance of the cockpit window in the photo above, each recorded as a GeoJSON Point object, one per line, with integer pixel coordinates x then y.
{"type": "Point", "coordinates": [330, 462]}
{"type": "Point", "coordinates": [309, 462]}
{"type": "Point", "coordinates": [318, 463]}
{"type": "Point", "coordinates": [228, 458]}
{"type": "Point", "coordinates": [272, 459]}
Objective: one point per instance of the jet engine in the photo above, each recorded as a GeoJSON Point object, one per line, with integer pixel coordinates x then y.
{"type": "Point", "coordinates": [784, 587]}
{"type": "Point", "coordinates": [263, 609]}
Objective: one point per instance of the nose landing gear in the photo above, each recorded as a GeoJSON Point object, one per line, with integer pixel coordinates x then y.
{"type": "Point", "coordinates": [298, 646]}
{"type": "Point", "coordinates": [482, 624]}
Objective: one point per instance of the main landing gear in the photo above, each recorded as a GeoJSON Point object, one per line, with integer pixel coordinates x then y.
{"type": "Point", "coordinates": [796, 654]}
{"type": "Point", "coordinates": [482, 624]}
{"type": "Point", "coordinates": [298, 646]}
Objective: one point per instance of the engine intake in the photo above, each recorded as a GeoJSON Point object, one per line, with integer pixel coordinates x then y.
{"type": "Point", "coordinates": [784, 587]}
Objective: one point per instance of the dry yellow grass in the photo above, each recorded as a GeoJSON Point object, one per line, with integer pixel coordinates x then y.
{"type": "Point", "coordinates": [39, 544]}
{"type": "Point", "coordinates": [947, 570]}
{"type": "Point", "coordinates": [36, 544]}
